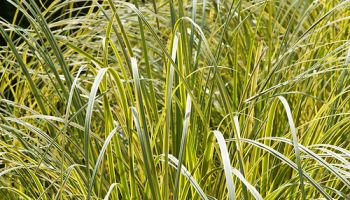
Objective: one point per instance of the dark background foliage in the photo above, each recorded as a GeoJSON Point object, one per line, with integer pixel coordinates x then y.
{"type": "Point", "coordinates": [8, 11]}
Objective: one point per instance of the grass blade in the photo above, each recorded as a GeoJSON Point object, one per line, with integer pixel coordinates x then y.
{"type": "Point", "coordinates": [183, 145]}
{"type": "Point", "coordinates": [227, 164]}
{"type": "Point", "coordinates": [295, 142]}
{"type": "Point", "coordinates": [89, 110]}
{"type": "Point", "coordinates": [175, 163]}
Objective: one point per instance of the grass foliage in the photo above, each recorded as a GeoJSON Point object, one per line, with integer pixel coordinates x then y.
{"type": "Point", "coordinates": [176, 100]}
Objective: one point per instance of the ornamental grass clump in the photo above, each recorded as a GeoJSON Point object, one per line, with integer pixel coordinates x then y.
{"type": "Point", "coordinates": [242, 99]}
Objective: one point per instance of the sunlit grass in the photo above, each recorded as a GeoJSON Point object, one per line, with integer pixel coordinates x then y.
{"type": "Point", "coordinates": [176, 100]}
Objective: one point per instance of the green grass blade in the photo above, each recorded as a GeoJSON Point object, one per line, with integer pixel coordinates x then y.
{"type": "Point", "coordinates": [251, 188]}
{"type": "Point", "coordinates": [295, 142]}
{"type": "Point", "coordinates": [289, 163]}
{"type": "Point", "coordinates": [183, 145]}
{"type": "Point", "coordinates": [100, 157]}
{"type": "Point", "coordinates": [147, 157]}
{"type": "Point", "coordinates": [227, 164]}
{"type": "Point", "coordinates": [175, 163]}
{"type": "Point", "coordinates": [89, 111]}
{"type": "Point", "coordinates": [168, 105]}
{"type": "Point", "coordinates": [110, 190]}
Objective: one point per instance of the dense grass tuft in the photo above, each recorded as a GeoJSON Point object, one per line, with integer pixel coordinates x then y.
{"type": "Point", "coordinates": [176, 100]}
